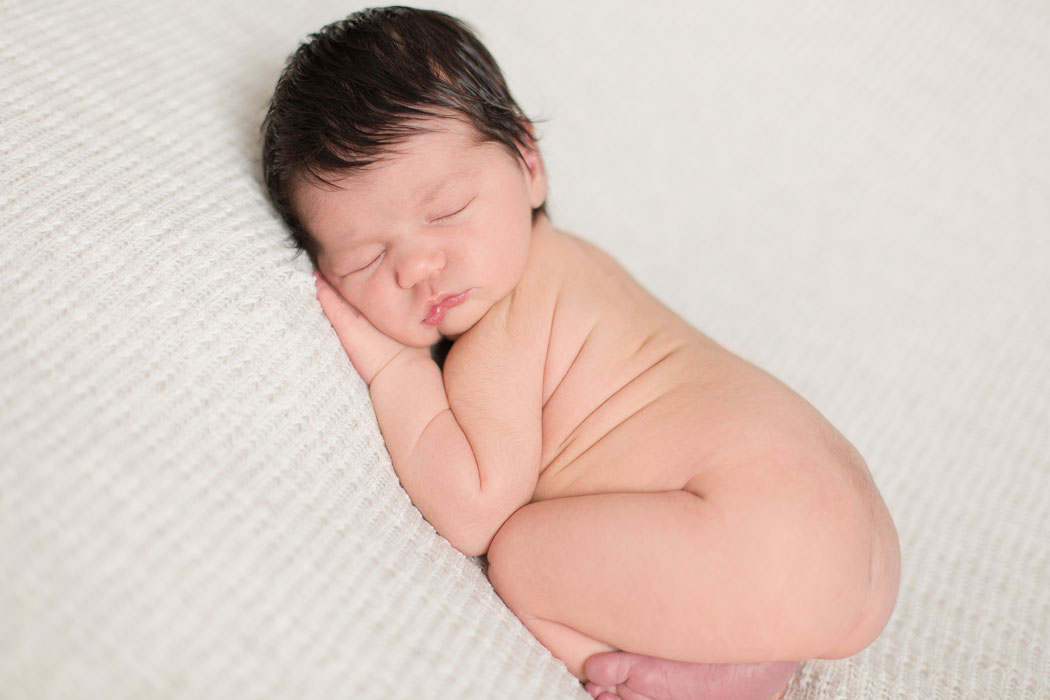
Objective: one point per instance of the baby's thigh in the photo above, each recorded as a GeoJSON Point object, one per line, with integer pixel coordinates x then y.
{"type": "Point", "coordinates": [662, 574]}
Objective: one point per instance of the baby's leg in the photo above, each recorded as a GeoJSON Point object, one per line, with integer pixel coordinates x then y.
{"type": "Point", "coordinates": [665, 575]}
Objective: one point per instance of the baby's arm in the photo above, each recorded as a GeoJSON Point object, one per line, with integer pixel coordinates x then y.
{"type": "Point", "coordinates": [466, 465]}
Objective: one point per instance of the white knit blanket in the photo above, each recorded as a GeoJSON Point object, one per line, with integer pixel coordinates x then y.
{"type": "Point", "coordinates": [195, 500]}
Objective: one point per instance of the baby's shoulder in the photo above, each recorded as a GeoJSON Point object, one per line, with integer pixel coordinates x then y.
{"type": "Point", "coordinates": [561, 266]}
{"type": "Point", "coordinates": [520, 325]}
{"type": "Point", "coordinates": [556, 260]}
{"type": "Point", "coordinates": [563, 284]}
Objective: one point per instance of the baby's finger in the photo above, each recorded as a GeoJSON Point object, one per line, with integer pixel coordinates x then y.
{"type": "Point", "coordinates": [340, 314]}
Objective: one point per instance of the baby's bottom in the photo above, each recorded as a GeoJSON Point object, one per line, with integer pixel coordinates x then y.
{"type": "Point", "coordinates": [653, 573]}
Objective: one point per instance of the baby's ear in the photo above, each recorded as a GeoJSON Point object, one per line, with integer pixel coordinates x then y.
{"type": "Point", "coordinates": [535, 171]}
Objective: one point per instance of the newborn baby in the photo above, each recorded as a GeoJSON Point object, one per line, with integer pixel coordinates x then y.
{"type": "Point", "coordinates": [669, 520]}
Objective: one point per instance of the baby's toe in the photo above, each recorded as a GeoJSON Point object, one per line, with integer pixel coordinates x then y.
{"type": "Point", "coordinates": [598, 692]}
{"type": "Point", "coordinates": [608, 669]}
{"type": "Point", "coordinates": [601, 692]}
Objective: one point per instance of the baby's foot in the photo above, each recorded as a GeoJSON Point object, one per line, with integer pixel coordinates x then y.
{"type": "Point", "coordinates": [619, 675]}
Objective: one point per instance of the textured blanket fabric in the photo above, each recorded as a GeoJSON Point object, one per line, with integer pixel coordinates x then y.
{"type": "Point", "coordinates": [195, 500]}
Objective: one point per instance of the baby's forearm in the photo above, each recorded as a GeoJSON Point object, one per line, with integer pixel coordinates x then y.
{"type": "Point", "coordinates": [432, 455]}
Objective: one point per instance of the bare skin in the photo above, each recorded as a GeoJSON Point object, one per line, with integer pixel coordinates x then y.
{"type": "Point", "coordinates": [631, 677]}
{"type": "Point", "coordinates": [669, 520]}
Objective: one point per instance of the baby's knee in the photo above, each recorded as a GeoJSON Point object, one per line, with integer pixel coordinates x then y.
{"type": "Point", "coordinates": [507, 568]}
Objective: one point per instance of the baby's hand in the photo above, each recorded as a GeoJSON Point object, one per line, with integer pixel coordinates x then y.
{"type": "Point", "coordinates": [369, 349]}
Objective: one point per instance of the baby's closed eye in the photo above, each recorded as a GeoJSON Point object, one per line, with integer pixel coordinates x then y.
{"type": "Point", "coordinates": [368, 260]}
{"type": "Point", "coordinates": [452, 214]}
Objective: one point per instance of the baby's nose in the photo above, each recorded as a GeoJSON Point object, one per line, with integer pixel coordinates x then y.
{"type": "Point", "coordinates": [418, 264]}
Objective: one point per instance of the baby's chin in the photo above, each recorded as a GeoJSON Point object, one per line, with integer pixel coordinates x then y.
{"type": "Point", "coordinates": [422, 335]}
{"type": "Point", "coordinates": [417, 341]}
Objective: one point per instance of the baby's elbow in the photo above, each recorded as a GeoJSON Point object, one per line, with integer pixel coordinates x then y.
{"type": "Point", "coordinates": [472, 543]}
{"type": "Point", "coordinates": [473, 535]}
{"type": "Point", "coordinates": [489, 509]}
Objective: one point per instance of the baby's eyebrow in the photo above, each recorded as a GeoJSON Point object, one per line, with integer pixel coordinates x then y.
{"type": "Point", "coordinates": [431, 193]}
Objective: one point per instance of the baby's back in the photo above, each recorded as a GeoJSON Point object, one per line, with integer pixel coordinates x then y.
{"type": "Point", "coordinates": [634, 398]}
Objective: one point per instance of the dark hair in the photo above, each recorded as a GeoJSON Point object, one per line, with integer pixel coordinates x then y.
{"type": "Point", "coordinates": [360, 86]}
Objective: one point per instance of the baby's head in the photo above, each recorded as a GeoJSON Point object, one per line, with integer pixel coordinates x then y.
{"type": "Point", "coordinates": [396, 154]}
{"type": "Point", "coordinates": [362, 86]}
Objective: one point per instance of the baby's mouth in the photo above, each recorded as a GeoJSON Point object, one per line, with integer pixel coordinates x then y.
{"type": "Point", "coordinates": [436, 310]}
